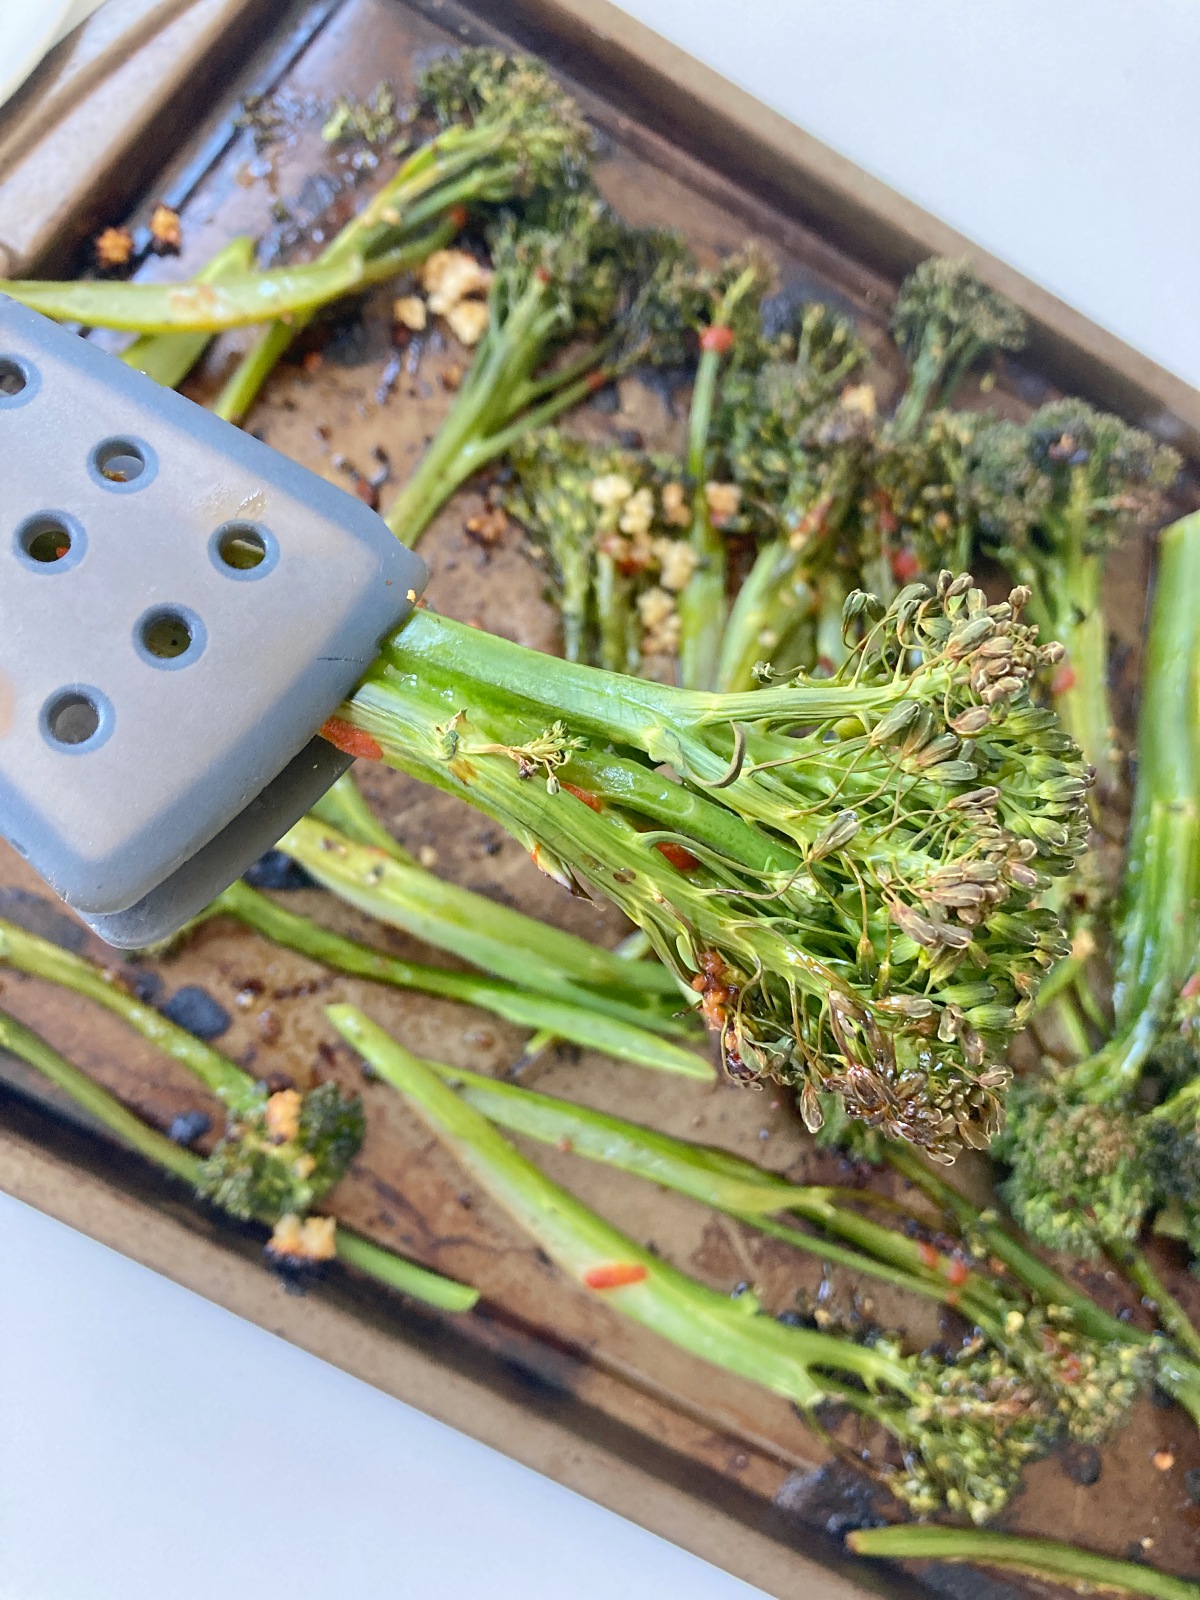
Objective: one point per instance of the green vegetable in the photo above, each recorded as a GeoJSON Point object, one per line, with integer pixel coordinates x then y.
{"type": "Point", "coordinates": [854, 901]}
{"type": "Point", "coordinates": [1051, 498]}
{"type": "Point", "coordinates": [579, 1023]}
{"type": "Point", "coordinates": [356, 1251]}
{"type": "Point", "coordinates": [506, 130]}
{"type": "Point", "coordinates": [1080, 1178]}
{"type": "Point", "coordinates": [944, 321]}
{"type": "Point", "coordinates": [568, 274]}
{"type": "Point", "coordinates": [1082, 1570]}
{"type": "Point", "coordinates": [169, 357]}
{"type": "Point", "coordinates": [967, 1424]}
{"type": "Point", "coordinates": [507, 943]}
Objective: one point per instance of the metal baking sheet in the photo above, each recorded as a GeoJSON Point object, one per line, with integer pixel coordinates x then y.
{"type": "Point", "coordinates": [547, 1374]}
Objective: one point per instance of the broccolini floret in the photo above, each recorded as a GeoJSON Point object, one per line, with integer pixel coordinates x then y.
{"type": "Point", "coordinates": [945, 320]}
{"type": "Point", "coordinates": [281, 1152]}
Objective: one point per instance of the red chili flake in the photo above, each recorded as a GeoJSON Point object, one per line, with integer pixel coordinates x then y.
{"type": "Point", "coordinates": [542, 274]}
{"type": "Point", "coordinates": [591, 801]}
{"type": "Point", "coordinates": [718, 338]}
{"type": "Point", "coordinates": [564, 1145]}
{"type": "Point", "coordinates": [1191, 988]}
{"type": "Point", "coordinates": [350, 740]}
{"type": "Point", "coordinates": [957, 1272]}
{"type": "Point", "coordinates": [459, 216]}
{"type": "Point", "coordinates": [615, 1275]}
{"type": "Point", "coordinates": [1063, 679]}
{"type": "Point", "coordinates": [929, 1255]}
{"type": "Point", "coordinates": [313, 361]}
{"type": "Point", "coordinates": [596, 381]}
{"type": "Point", "coordinates": [905, 566]}
{"type": "Point", "coordinates": [682, 860]}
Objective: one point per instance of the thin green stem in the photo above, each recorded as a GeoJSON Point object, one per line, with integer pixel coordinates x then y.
{"type": "Point", "coordinates": [1079, 1569]}
{"type": "Point", "coordinates": [1170, 1314]}
{"type": "Point", "coordinates": [353, 1249]}
{"type": "Point", "coordinates": [581, 1025]}
{"type": "Point", "coordinates": [169, 357]}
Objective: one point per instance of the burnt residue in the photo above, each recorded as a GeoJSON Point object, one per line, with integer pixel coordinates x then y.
{"type": "Point", "coordinates": [277, 871]}
{"type": "Point", "coordinates": [832, 1499]}
{"type": "Point", "coordinates": [40, 916]}
{"type": "Point", "coordinates": [1082, 1464]}
{"type": "Point", "coordinates": [196, 1010]}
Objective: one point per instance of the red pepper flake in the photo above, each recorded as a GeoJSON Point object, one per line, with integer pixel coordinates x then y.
{"type": "Point", "coordinates": [905, 566]}
{"type": "Point", "coordinates": [931, 1258]}
{"type": "Point", "coordinates": [888, 521]}
{"type": "Point", "coordinates": [1063, 680]}
{"type": "Point", "coordinates": [615, 1275]}
{"type": "Point", "coordinates": [542, 274]}
{"type": "Point", "coordinates": [682, 860]}
{"type": "Point", "coordinates": [956, 1272]}
{"type": "Point", "coordinates": [564, 1145]}
{"type": "Point", "coordinates": [459, 216]}
{"type": "Point", "coordinates": [592, 801]}
{"type": "Point", "coordinates": [717, 338]}
{"type": "Point", "coordinates": [596, 381]}
{"type": "Point", "coordinates": [350, 740]}
{"type": "Point", "coordinates": [313, 361]}
{"type": "Point", "coordinates": [1191, 988]}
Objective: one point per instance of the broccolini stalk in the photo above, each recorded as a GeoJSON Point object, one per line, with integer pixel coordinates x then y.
{"type": "Point", "coordinates": [1052, 497]}
{"type": "Point", "coordinates": [944, 321]}
{"type": "Point", "coordinates": [580, 1024]}
{"type": "Point", "coordinates": [1082, 1570]}
{"type": "Point", "coordinates": [1092, 1381]}
{"type": "Point", "coordinates": [845, 870]}
{"type": "Point", "coordinates": [795, 456]}
{"type": "Point", "coordinates": [966, 1425]}
{"type": "Point", "coordinates": [610, 522]}
{"type": "Point", "coordinates": [574, 274]}
{"type": "Point", "coordinates": [1079, 1176]}
{"type": "Point", "coordinates": [506, 131]}
{"type": "Point", "coordinates": [169, 357]}
{"type": "Point", "coordinates": [507, 943]}
{"type": "Point", "coordinates": [702, 605]}
{"type": "Point", "coordinates": [233, 301]}
{"type": "Point", "coordinates": [160, 1151]}
{"type": "Point", "coordinates": [1177, 1373]}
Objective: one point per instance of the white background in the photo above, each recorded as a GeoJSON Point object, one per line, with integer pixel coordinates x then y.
{"type": "Point", "coordinates": [152, 1445]}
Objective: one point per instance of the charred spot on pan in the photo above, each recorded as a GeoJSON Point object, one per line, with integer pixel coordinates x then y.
{"type": "Point", "coordinates": [195, 1010]}
{"type": "Point", "coordinates": [40, 916]}
{"type": "Point", "coordinates": [278, 871]}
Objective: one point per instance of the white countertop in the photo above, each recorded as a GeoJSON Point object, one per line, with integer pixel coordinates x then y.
{"type": "Point", "coordinates": [152, 1445]}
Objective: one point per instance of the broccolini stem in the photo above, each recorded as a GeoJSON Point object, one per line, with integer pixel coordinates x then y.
{"type": "Point", "coordinates": [40, 959]}
{"type": "Point", "coordinates": [594, 1254]}
{"type": "Point", "coordinates": [773, 595]}
{"type": "Point", "coordinates": [169, 357]}
{"type": "Point", "coordinates": [343, 808]}
{"type": "Point", "coordinates": [702, 605]}
{"type": "Point", "coordinates": [580, 1024]}
{"type": "Point", "coordinates": [726, 1183]}
{"type": "Point", "coordinates": [371, 1259]}
{"type": "Point", "coordinates": [1170, 1314]}
{"type": "Point", "coordinates": [1081, 683]}
{"type": "Point", "coordinates": [430, 184]}
{"type": "Point", "coordinates": [507, 943]}
{"type": "Point", "coordinates": [1082, 1570]}
{"type": "Point", "coordinates": [97, 1102]}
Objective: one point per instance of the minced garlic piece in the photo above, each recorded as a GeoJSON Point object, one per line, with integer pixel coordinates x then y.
{"type": "Point", "coordinates": [467, 320]}
{"type": "Point", "coordinates": [859, 397]}
{"type": "Point", "coordinates": [450, 276]}
{"type": "Point", "coordinates": [307, 1239]}
{"type": "Point", "coordinates": [410, 312]}
{"type": "Point", "coordinates": [660, 622]}
{"type": "Point", "coordinates": [283, 1116]}
{"type": "Point", "coordinates": [677, 560]}
{"type": "Point", "coordinates": [610, 490]}
{"type": "Point", "coordinates": [677, 513]}
{"type": "Point", "coordinates": [723, 502]}
{"type": "Point", "coordinates": [638, 512]}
